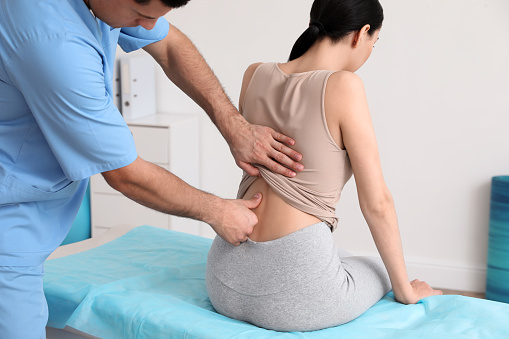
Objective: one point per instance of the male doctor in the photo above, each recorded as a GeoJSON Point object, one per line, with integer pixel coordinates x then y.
{"type": "Point", "coordinates": [58, 126]}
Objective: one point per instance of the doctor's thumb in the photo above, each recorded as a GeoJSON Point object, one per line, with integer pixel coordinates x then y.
{"type": "Point", "coordinates": [254, 201]}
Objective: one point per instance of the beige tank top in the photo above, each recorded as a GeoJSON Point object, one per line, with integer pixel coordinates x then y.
{"type": "Point", "coordinates": [294, 105]}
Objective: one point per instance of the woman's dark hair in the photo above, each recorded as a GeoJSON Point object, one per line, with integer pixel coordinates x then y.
{"type": "Point", "coordinates": [336, 19]}
{"type": "Point", "coordinates": [168, 3]}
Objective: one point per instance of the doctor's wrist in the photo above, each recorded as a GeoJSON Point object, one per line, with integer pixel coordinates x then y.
{"type": "Point", "coordinates": [230, 125]}
{"type": "Point", "coordinates": [210, 209]}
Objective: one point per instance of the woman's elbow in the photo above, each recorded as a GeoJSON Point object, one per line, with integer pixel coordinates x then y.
{"type": "Point", "coordinates": [378, 207]}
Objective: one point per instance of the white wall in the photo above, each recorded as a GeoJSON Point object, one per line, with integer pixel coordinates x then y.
{"type": "Point", "coordinates": [438, 89]}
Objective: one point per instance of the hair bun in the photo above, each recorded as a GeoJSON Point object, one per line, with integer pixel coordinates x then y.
{"type": "Point", "coordinates": [317, 24]}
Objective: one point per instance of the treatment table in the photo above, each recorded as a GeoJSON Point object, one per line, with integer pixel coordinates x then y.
{"type": "Point", "coordinates": [148, 282]}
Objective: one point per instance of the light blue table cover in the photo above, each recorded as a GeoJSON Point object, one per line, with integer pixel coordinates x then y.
{"type": "Point", "coordinates": [150, 283]}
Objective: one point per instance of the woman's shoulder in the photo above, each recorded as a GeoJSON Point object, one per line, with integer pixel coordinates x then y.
{"type": "Point", "coordinates": [248, 74]}
{"type": "Point", "coordinates": [344, 95]}
{"type": "Point", "coordinates": [344, 87]}
{"type": "Point", "coordinates": [251, 68]}
{"type": "Point", "coordinates": [344, 81]}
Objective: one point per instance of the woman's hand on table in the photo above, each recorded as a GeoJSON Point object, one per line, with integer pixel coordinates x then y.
{"type": "Point", "coordinates": [419, 290]}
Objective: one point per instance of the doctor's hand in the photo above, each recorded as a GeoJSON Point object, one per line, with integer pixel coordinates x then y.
{"type": "Point", "coordinates": [255, 144]}
{"type": "Point", "coordinates": [235, 220]}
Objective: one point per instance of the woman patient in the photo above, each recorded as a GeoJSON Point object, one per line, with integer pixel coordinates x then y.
{"type": "Point", "coordinates": [289, 275]}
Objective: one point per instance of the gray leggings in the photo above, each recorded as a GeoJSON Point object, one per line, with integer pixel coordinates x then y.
{"type": "Point", "coordinates": [296, 283]}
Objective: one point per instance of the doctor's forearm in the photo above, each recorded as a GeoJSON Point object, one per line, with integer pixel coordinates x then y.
{"type": "Point", "coordinates": [185, 66]}
{"type": "Point", "coordinates": [159, 189]}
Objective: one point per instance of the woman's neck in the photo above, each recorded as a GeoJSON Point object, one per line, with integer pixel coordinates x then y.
{"type": "Point", "coordinates": [323, 55]}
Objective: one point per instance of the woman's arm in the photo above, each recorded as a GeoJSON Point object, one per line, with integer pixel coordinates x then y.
{"type": "Point", "coordinates": [349, 106]}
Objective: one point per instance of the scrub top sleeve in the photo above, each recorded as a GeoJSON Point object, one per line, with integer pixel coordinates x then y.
{"type": "Point", "coordinates": [133, 38]}
{"type": "Point", "coordinates": [62, 80]}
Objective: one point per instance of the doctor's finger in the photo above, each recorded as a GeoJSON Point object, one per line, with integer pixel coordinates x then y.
{"type": "Point", "coordinates": [283, 159]}
{"type": "Point", "coordinates": [281, 147]}
{"type": "Point", "coordinates": [250, 169]}
{"type": "Point", "coordinates": [276, 167]}
{"type": "Point", "coordinates": [286, 156]}
{"type": "Point", "coordinates": [282, 138]}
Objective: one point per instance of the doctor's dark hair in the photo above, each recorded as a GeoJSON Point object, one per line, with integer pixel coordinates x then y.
{"type": "Point", "coordinates": [336, 19]}
{"type": "Point", "coordinates": [167, 3]}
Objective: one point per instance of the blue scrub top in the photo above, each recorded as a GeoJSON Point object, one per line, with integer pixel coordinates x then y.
{"type": "Point", "coordinates": [58, 123]}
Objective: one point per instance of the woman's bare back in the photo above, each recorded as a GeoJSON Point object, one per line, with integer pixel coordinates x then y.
{"type": "Point", "coordinates": [276, 218]}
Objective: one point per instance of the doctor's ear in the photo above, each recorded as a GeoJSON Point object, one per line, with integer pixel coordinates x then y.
{"type": "Point", "coordinates": [361, 34]}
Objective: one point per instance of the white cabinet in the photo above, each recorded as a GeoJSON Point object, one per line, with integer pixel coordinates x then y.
{"type": "Point", "coordinates": [168, 140]}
